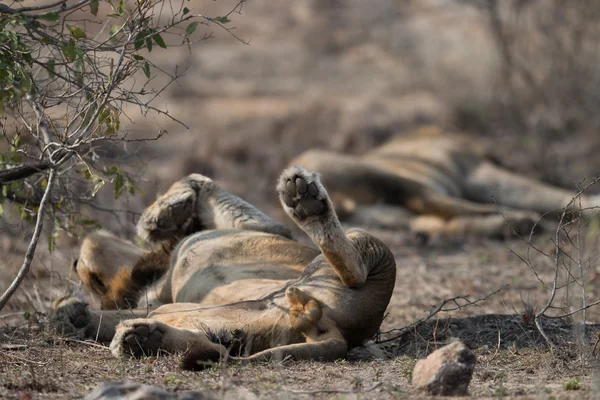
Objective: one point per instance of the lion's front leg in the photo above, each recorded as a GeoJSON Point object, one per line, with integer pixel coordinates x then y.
{"type": "Point", "coordinates": [196, 203]}
{"type": "Point", "coordinates": [73, 318]}
{"type": "Point", "coordinates": [146, 336]}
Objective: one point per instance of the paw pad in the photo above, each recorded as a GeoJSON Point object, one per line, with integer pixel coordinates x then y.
{"type": "Point", "coordinates": [300, 192]}
{"type": "Point", "coordinates": [137, 341]}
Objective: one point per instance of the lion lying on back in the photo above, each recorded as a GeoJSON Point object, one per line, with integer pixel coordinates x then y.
{"type": "Point", "coordinates": [446, 179]}
{"type": "Point", "coordinates": [234, 283]}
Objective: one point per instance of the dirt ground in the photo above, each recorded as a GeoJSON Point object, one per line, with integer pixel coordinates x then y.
{"type": "Point", "coordinates": [512, 358]}
{"type": "Point", "coordinates": [342, 77]}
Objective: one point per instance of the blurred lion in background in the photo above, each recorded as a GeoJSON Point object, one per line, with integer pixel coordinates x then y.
{"type": "Point", "coordinates": [447, 180]}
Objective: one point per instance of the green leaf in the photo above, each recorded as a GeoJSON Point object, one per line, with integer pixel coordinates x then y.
{"type": "Point", "coordinates": [70, 50]}
{"type": "Point", "coordinates": [51, 17]}
{"type": "Point", "coordinates": [51, 242]}
{"type": "Point", "coordinates": [1, 210]}
{"type": "Point", "coordinates": [51, 66]}
{"type": "Point", "coordinates": [103, 115]}
{"type": "Point", "coordinates": [185, 10]}
{"type": "Point", "coordinates": [147, 70]}
{"type": "Point", "coordinates": [90, 222]}
{"type": "Point", "coordinates": [97, 186]}
{"type": "Point", "coordinates": [139, 41]}
{"type": "Point", "coordinates": [222, 20]}
{"type": "Point", "coordinates": [118, 185]}
{"type": "Point", "coordinates": [25, 82]}
{"type": "Point", "coordinates": [132, 188]}
{"type": "Point", "coordinates": [159, 41]}
{"type": "Point", "coordinates": [25, 215]}
{"type": "Point", "coordinates": [76, 32]}
{"type": "Point", "coordinates": [94, 7]}
{"type": "Point", "coordinates": [149, 45]}
{"type": "Point", "coordinates": [138, 57]}
{"type": "Point", "coordinates": [191, 27]}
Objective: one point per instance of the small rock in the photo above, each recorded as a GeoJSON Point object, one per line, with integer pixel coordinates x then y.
{"type": "Point", "coordinates": [446, 371]}
{"type": "Point", "coordinates": [129, 390]}
{"type": "Point", "coordinates": [136, 391]}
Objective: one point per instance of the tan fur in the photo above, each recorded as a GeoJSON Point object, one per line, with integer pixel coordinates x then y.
{"type": "Point", "coordinates": [440, 174]}
{"type": "Point", "coordinates": [101, 256]}
{"type": "Point", "coordinates": [129, 284]}
{"type": "Point", "coordinates": [242, 286]}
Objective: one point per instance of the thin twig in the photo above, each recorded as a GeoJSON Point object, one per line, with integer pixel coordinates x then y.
{"type": "Point", "coordinates": [437, 309]}
{"type": "Point", "coordinates": [369, 389]}
{"type": "Point", "coordinates": [87, 343]}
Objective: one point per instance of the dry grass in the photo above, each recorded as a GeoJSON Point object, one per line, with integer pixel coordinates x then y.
{"type": "Point", "coordinates": [513, 360]}
{"type": "Point", "coordinates": [48, 367]}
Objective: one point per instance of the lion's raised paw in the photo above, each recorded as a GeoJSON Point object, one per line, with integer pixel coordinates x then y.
{"type": "Point", "coordinates": [302, 194]}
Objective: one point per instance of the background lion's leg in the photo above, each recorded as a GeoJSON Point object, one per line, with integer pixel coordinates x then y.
{"type": "Point", "coordinates": [384, 216]}
{"type": "Point", "coordinates": [450, 207]}
{"type": "Point", "coordinates": [196, 203]}
{"type": "Point", "coordinates": [459, 216]}
{"type": "Point", "coordinates": [491, 184]}
{"type": "Point", "coordinates": [431, 228]}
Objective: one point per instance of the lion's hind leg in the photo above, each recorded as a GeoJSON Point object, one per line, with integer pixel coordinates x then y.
{"type": "Point", "coordinates": [306, 201]}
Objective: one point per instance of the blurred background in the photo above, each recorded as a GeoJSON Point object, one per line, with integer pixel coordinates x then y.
{"type": "Point", "coordinates": [521, 76]}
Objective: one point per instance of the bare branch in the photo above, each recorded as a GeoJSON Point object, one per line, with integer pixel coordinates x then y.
{"type": "Point", "coordinates": [39, 224]}
{"type": "Point", "coordinates": [21, 172]}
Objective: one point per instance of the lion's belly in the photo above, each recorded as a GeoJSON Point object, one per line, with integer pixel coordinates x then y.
{"type": "Point", "coordinates": [217, 285]}
{"type": "Point", "coordinates": [220, 267]}
{"type": "Point", "coordinates": [443, 181]}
